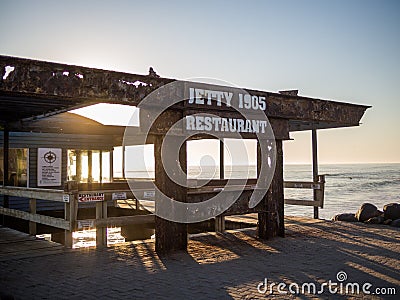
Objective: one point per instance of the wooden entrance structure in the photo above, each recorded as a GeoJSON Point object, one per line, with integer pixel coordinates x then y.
{"type": "Point", "coordinates": [30, 90]}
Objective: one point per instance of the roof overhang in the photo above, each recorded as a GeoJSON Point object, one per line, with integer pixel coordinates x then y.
{"type": "Point", "coordinates": [38, 89]}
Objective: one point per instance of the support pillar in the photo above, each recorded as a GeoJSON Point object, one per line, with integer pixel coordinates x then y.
{"type": "Point", "coordinates": [71, 211]}
{"type": "Point", "coordinates": [32, 210]}
{"type": "Point", "coordinates": [101, 166]}
{"type": "Point", "coordinates": [221, 160]}
{"type": "Point", "coordinates": [170, 236]}
{"type": "Point", "coordinates": [78, 154]}
{"type": "Point", "coordinates": [6, 149]}
{"type": "Point", "coordinates": [123, 161]}
{"type": "Point", "coordinates": [271, 219]}
{"type": "Point", "coordinates": [220, 220]}
{"type": "Point", "coordinates": [101, 232]}
{"type": "Point", "coordinates": [112, 165]}
{"type": "Point", "coordinates": [220, 224]}
{"type": "Point", "coordinates": [315, 168]}
{"type": "Point", "coordinates": [90, 166]}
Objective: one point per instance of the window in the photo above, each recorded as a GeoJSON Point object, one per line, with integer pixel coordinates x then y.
{"type": "Point", "coordinates": [88, 165]}
{"type": "Point", "coordinates": [17, 167]}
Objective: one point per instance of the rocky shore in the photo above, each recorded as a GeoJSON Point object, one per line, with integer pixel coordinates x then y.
{"type": "Point", "coordinates": [370, 214]}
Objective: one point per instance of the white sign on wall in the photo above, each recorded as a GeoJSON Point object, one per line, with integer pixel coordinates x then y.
{"type": "Point", "coordinates": [92, 197]}
{"type": "Point", "coordinates": [49, 167]}
{"type": "Point", "coordinates": [119, 196]}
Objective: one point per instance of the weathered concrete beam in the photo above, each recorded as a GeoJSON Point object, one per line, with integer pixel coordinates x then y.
{"type": "Point", "coordinates": [33, 82]}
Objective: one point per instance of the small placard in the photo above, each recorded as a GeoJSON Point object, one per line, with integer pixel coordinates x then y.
{"type": "Point", "coordinates": [49, 164]}
{"type": "Point", "coordinates": [119, 196]}
{"type": "Point", "coordinates": [85, 224]}
{"type": "Point", "coordinates": [66, 198]}
{"type": "Point", "coordinates": [149, 194]}
{"type": "Point", "coordinates": [92, 197]}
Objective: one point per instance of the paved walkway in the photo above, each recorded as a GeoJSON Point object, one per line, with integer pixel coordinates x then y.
{"type": "Point", "coordinates": [16, 245]}
{"type": "Point", "coordinates": [228, 266]}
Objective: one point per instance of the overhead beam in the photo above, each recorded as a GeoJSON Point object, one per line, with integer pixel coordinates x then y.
{"type": "Point", "coordinates": [6, 150]}
{"type": "Point", "coordinates": [315, 167]}
{"type": "Point", "coordinates": [74, 85]}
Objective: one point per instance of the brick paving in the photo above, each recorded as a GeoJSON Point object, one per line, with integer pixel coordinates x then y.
{"type": "Point", "coordinates": [228, 266]}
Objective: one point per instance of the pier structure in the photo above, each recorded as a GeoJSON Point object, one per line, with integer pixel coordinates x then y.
{"type": "Point", "coordinates": [32, 90]}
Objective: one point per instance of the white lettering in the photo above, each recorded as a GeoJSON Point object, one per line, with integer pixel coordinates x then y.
{"type": "Point", "coordinates": [228, 98]}
{"type": "Point", "coordinates": [240, 100]}
{"type": "Point", "coordinates": [247, 101]}
{"type": "Point", "coordinates": [199, 123]}
{"type": "Point", "coordinates": [199, 96]}
{"type": "Point", "coordinates": [261, 101]}
{"type": "Point", "coordinates": [224, 124]}
{"type": "Point", "coordinates": [219, 97]}
{"type": "Point", "coordinates": [190, 123]}
{"type": "Point", "coordinates": [263, 124]}
{"type": "Point", "coordinates": [254, 102]}
{"type": "Point", "coordinates": [240, 125]}
{"type": "Point", "coordinates": [256, 125]}
{"type": "Point", "coordinates": [231, 127]}
{"type": "Point", "coordinates": [248, 126]}
{"type": "Point", "coordinates": [216, 122]}
{"type": "Point", "coordinates": [263, 286]}
{"type": "Point", "coordinates": [208, 123]}
{"type": "Point", "coordinates": [191, 95]}
{"type": "Point", "coordinates": [281, 287]}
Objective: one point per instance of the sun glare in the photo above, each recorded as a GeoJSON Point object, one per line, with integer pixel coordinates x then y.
{"type": "Point", "coordinates": [110, 114]}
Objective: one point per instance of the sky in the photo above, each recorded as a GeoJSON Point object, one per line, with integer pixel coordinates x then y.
{"type": "Point", "coordinates": [340, 50]}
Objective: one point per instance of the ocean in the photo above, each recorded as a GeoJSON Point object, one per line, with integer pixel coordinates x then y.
{"type": "Point", "coordinates": [347, 185]}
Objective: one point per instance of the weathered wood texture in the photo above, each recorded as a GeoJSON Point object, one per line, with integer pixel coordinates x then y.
{"type": "Point", "coordinates": [271, 216]}
{"type": "Point", "coordinates": [32, 210]}
{"type": "Point", "coordinates": [36, 193]}
{"type": "Point", "coordinates": [120, 221]}
{"type": "Point", "coordinates": [71, 211]}
{"type": "Point", "coordinates": [46, 220]}
{"type": "Point", "coordinates": [101, 232]}
{"type": "Point", "coordinates": [45, 88]}
{"type": "Point", "coordinates": [315, 167]}
{"type": "Point", "coordinates": [170, 236]}
{"type": "Point", "coordinates": [220, 224]}
{"type": "Point", "coordinates": [318, 188]}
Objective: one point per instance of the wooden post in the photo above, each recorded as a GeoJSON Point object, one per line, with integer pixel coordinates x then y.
{"type": "Point", "coordinates": [78, 154]}
{"type": "Point", "coordinates": [32, 210]}
{"type": "Point", "coordinates": [321, 192]}
{"type": "Point", "coordinates": [220, 220]}
{"type": "Point", "coordinates": [170, 236]}
{"type": "Point", "coordinates": [90, 166]}
{"type": "Point", "coordinates": [123, 161]}
{"type": "Point", "coordinates": [315, 168]}
{"type": "Point", "coordinates": [112, 165]}
{"type": "Point", "coordinates": [220, 224]}
{"type": "Point", "coordinates": [221, 160]}
{"type": "Point", "coordinates": [101, 232]}
{"type": "Point", "coordinates": [101, 166]}
{"type": "Point", "coordinates": [271, 219]}
{"type": "Point", "coordinates": [6, 149]}
{"type": "Point", "coordinates": [71, 211]}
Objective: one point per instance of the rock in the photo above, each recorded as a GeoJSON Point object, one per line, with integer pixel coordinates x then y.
{"type": "Point", "coordinates": [375, 220]}
{"type": "Point", "coordinates": [345, 217]}
{"type": "Point", "coordinates": [387, 222]}
{"type": "Point", "coordinates": [392, 211]}
{"type": "Point", "coordinates": [367, 211]}
{"type": "Point", "coordinates": [395, 223]}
